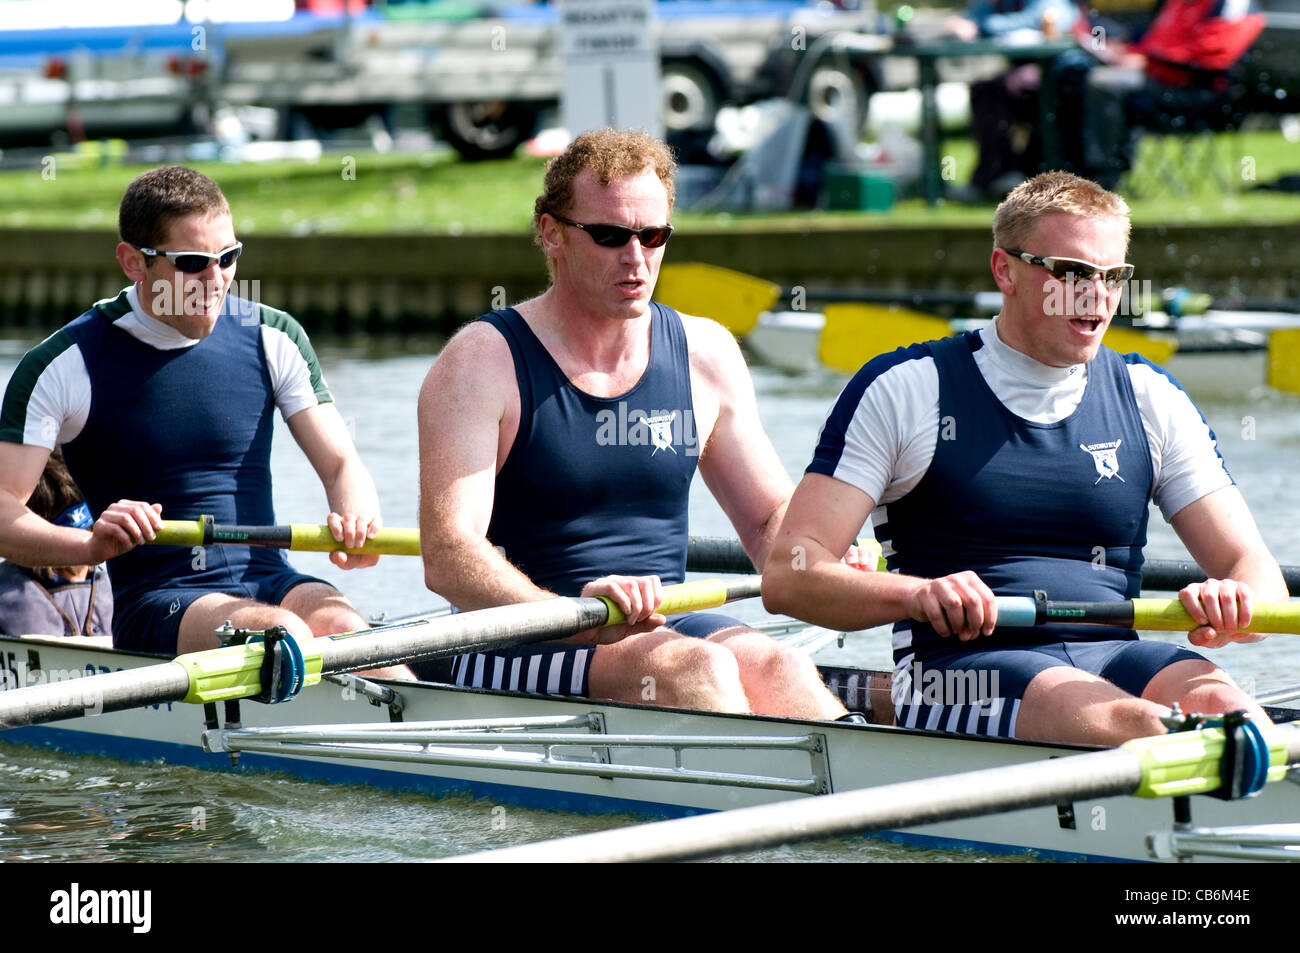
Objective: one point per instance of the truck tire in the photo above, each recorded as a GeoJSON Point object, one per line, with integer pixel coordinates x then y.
{"type": "Point", "coordinates": [690, 95]}
{"type": "Point", "coordinates": [837, 95]}
{"type": "Point", "coordinates": [490, 130]}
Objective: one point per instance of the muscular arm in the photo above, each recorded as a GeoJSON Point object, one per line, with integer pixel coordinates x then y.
{"type": "Point", "coordinates": [354, 503]}
{"type": "Point", "coordinates": [805, 577]}
{"type": "Point", "coordinates": [1220, 534]}
{"type": "Point", "coordinates": [468, 419]}
{"type": "Point", "coordinates": [738, 463]}
{"type": "Point", "coordinates": [463, 408]}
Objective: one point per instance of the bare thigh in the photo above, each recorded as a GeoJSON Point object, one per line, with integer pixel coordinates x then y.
{"type": "Point", "coordinates": [207, 613]}
{"type": "Point", "coordinates": [325, 610]}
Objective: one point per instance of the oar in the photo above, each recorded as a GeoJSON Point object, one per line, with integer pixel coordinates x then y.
{"type": "Point", "coordinates": [297, 536]}
{"type": "Point", "coordinates": [1152, 614]}
{"type": "Point", "coordinates": [709, 554]}
{"type": "Point", "coordinates": [235, 671]}
{"type": "Point", "coordinates": [1168, 765]}
{"type": "Point", "coordinates": [714, 554]}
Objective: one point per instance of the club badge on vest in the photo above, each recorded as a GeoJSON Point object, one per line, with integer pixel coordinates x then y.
{"type": "Point", "coordinates": [1105, 459]}
{"type": "Point", "coordinates": [658, 429]}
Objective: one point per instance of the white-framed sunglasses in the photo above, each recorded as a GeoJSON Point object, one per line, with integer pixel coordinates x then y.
{"type": "Point", "coordinates": [193, 262]}
{"type": "Point", "coordinates": [1071, 269]}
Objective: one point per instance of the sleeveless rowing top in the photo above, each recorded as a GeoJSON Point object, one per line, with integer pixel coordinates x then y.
{"type": "Point", "coordinates": [1061, 507]}
{"type": "Point", "coordinates": [187, 427]}
{"type": "Point", "coordinates": [597, 485]}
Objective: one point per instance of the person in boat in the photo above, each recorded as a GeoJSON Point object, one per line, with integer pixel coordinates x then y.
{"type": "Point", "coordinates": [558, 440]}
{"type": "Point", "coordinates": [1023, 457]}
{"type": "Point", "coordinates": [162, 401]}
{"type": "Point", "coordinates": [63, 600]}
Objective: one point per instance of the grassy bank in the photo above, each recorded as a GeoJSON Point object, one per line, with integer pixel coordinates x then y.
{"type": "Point", "coordinates": [369, 193]}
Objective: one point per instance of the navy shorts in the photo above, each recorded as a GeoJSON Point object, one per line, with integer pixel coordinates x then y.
{"type": "Point", "coordinates": [151, 621]}
{"type": "Point", "coordinates": [549, 668]}
{"type": "Point", "coordinates": [979, 692]}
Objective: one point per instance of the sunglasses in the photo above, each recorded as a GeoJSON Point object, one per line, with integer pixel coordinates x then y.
{"type": "Point", "coordinates": [1070, 269]}
{"type": "Point", "coordinates": [193, 262]}
{"type": "Point", "coordinates": [616, 236]}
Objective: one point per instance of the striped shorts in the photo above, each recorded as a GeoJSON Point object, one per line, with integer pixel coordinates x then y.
{"type": "Point", "coordinates": [978, 692]}
{"type": "Point", "coordinates": [556, 668]}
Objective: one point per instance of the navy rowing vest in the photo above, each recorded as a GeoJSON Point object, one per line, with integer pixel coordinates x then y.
{"type": "Point", "coordinates": [189, 428]}
{"type": "Point", "coordinates": [597, 485]}
{"type": "Point", "coordinates": [1060, 507]}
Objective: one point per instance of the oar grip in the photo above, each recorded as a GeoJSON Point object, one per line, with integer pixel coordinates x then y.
{"type": "Point", "coordinates": [683, 597]}
{"type": "Point", "coordinates": [387, 542]}
{"type": "Point", "coordinates": [182, 532]}
{"type": "Point", "coordinates": [1169, 614]}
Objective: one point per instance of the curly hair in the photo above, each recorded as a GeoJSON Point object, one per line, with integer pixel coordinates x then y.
{"type": "Point", "coordinates": [607, 154]}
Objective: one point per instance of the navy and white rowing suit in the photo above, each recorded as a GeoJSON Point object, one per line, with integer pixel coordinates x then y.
{"type": "Point", "coordinates": [1034, 477]}
{"type": "Point", "coordinates": [591, 486]}
{"type": "Point", "coordinates": [144, 413]}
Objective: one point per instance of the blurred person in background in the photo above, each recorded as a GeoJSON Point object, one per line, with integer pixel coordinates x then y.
{"type": "Point", "coordinates": [62, 600]}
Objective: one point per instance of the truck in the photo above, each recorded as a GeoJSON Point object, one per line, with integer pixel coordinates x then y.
{"type": "Point", "coordinates": [480, 74]}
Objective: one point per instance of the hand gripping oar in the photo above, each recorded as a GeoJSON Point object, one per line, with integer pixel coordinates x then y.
{"type": "Point", "coordinates": [1153, 614]}
{"type": "Point", "coordinates": [235, 671]}
{"type": "Point", "coordinates": [1188, 762]}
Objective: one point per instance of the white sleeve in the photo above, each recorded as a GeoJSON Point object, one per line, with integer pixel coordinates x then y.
{"type": "Point", "coordinates": [1184, 453]}
{"type": "Point", "coordinates": [290, 371]}
{"type": "Point", "coordinates": [52, 408]}
{"type": "Point", "coordinates": [889, 435]}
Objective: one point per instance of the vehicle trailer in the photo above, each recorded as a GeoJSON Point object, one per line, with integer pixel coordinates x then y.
{"type": "Point", "coordinates": [482, 81]}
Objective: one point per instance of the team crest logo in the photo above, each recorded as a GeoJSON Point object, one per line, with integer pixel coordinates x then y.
{"type": "Point", "coordinates": [1104, 457]}
{"type": "Point", "coordinates": [661, 431]}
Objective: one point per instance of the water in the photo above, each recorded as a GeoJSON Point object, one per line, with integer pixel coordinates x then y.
{"type": "Point", "coordinates": [59, 808]}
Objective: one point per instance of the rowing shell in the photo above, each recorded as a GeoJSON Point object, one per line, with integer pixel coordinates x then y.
{"type": "Point", "coordinates": [590, 757]}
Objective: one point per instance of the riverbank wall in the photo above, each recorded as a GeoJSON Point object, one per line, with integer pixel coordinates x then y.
{"type": "Point", "coordinates": [430, 284]}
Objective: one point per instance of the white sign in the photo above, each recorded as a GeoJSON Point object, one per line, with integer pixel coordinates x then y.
{"type": "Point", "coordinates": [611, 65]}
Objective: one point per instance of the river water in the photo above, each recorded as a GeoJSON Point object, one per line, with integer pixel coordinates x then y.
{"type": "Point", "coordinates": [55, 807]}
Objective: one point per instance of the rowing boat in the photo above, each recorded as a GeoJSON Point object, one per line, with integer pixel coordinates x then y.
{"type": "Point", "coordinates": [579, 755]}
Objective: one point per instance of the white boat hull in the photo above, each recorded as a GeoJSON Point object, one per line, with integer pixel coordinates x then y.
{"type": "Point", "coordinates": [850, 757]}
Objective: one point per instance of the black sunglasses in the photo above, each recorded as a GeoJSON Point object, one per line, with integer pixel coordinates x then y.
{"type": "Point", "coordinates": [616, 236]}
{"type": "Point", "coordinates": [192, 262]}
{"type": "Point", "coordinates": [1071, 269]}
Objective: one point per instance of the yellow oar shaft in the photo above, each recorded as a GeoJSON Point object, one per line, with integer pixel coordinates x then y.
{"type": "Point", "coordinates": [1169, 614]}
{"type": "Point", "coordinates": [304, 537]}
